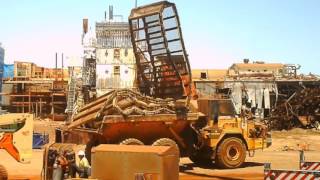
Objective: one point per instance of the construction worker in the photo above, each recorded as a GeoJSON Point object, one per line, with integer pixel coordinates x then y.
{"type": "Point", "coordinates": [60, 166]}
{"type": "Point", "coordinates": [83, 168]}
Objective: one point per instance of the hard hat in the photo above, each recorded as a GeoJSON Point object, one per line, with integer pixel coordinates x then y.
{"type": "Point", "coordinates": [81, 153]}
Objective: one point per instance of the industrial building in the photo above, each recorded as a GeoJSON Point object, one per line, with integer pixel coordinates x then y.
{"type": "Point", "coordinates": [111, 48]}
{"type": "Point", "coordinates": [114, 53]}
{"type": "Point", "coordinates": [262, 88]}
{"type": "Point", "coordinates": [38, 90]}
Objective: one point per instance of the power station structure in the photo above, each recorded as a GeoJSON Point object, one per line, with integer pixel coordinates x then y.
{"type": "Point", "coordinates": [108, 61]}
{"type": "Point", "coordinates": [110, 45]}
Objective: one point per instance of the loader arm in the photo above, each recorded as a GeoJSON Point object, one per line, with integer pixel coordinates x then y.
{"type": "Point", "coordinates": [16, 131]}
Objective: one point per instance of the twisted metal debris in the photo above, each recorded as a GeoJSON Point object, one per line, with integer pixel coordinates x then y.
{"type": "Point", "coordinates": [302, 109]}
{"type": "Point", "coordinates": [126, 103]}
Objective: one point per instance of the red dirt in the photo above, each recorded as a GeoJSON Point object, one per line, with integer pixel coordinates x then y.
{"type": "Point", "coordinates": [252, 170]}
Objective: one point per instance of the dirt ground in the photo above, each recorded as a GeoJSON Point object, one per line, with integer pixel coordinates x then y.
{"type": "Point", "coordinates": [282, 154]}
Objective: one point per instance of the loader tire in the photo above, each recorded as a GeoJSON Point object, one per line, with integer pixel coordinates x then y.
{"type": "Point", "coordinates": [131, 141]}
{"type": "Point", "coordinates": [231, 153]}
{"type": "Point", "coordinates": [202, 156]}
{"type": "Point", "coordinates": [165, 142]}
{"type": "Point", "coordinates": [3, 173]}
{"type": "Point", "coordinates": [199, 160]}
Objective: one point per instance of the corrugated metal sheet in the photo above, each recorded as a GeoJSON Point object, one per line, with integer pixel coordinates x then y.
{"type": "Point", "coordinates": [258, 94]}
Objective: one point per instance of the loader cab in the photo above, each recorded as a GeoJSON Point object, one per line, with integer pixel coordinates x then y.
{"type": "Point", "coordinates": [222, 107]}
{"type": "Point", "coordinates": [217, 109]}
{"type": "Point", "coordinates": [11, 127]}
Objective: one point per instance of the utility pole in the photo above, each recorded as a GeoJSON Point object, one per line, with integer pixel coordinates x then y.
{"type": "Point", "coordinates": [55, 71]}
{"type": "Point", "coordinates": [62, 67]}
{"type": "Point", "coordinates": [52, 86]}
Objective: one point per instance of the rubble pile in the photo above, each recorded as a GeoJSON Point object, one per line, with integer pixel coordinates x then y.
{"type": "Point", "coordinates": [302, 109]}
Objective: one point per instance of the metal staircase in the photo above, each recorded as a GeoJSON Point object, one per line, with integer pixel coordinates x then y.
{"type": "Point", "coordinates": [71, 94]}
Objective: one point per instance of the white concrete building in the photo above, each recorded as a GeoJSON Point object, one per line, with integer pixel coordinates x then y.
{"type": "Point", "coordinates": [115, 61]}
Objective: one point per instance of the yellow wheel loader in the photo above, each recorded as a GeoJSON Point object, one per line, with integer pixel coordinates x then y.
{"type": "Point", "coordinates": [228, 136]}
{"type": "Point", "coordinates": [16, 130]}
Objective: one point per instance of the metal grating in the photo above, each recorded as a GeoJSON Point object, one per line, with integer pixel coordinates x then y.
{"type": "Point", "coordinates": [162, 62]}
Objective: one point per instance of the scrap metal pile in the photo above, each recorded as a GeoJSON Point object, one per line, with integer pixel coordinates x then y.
{"type": "Point", "coordinates": [301, 109]}
{"type": "Point", "coordinates": [123, 102]}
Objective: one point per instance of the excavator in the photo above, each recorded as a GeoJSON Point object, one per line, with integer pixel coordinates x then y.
{"type": "Point", "coordinates": [165, 111]}
{"type": "Point", "coordinates": [16, 130]}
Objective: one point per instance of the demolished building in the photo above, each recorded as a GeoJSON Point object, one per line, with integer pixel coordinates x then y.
{"type": "Point", "coordinates": [268, 91]}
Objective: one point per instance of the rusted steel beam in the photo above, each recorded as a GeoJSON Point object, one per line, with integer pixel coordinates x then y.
{"type": "Point", "coordinates": [100, 100]}
{"type": "Point", "coordinates": [82, 121]}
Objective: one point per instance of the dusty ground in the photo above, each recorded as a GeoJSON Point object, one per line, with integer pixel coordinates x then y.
{"type": "Point", "coordinates": [282, 154]}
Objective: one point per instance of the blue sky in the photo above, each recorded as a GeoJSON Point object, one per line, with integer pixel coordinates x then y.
{"type": "Point", "coordinates": [217, 33]}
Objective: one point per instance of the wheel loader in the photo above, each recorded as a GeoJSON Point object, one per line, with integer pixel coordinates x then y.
{"type": "Point", "coordinates": [227, 135]}
{"type": "Point", "coordinates": [165, 110]}
{"type": "Point", "coordinates": [16, 130]}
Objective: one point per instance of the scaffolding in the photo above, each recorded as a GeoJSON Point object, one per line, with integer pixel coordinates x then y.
{"type": "Point", "coordinates": [37, 90]}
